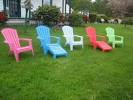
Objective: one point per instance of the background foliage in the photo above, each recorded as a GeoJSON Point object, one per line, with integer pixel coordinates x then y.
{"type": "Point", "coordinates": [75, 19]}
{"type": "Point", "coordinates": [49, 15]}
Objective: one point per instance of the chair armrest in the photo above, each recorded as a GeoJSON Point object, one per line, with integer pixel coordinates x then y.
{"type": "Point", "coordinates": [26, 40]}
{"type": "Point", "coordinates": [102, 37]}
{"type": "Point", "coordinates": [122, 38]}
{"type": "Point", "coordinates": [58, 39]}
{"type": "Point", "coordinates": [64, 35]}
{"type": "Point", "coordinates": [81, 37]}
{"type": "Point", "coordinates": [78, 36]}
{"type": "Point", "coordinates": [6, 42]}
{"type": "Point", "coordinates": [39, 38]}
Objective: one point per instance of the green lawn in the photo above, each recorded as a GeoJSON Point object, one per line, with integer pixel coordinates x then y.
{"type": "Point", "coordinates": [86, 74]}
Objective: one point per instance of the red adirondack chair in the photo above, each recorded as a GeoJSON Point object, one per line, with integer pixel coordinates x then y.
{"type": "Point", "coordinates": [13, 41]}
{"type": "Point", "coordinates": [91, 33]}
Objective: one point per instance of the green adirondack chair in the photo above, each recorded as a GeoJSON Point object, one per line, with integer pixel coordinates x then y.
{"type": "Point", "coordinates": [114, 39]}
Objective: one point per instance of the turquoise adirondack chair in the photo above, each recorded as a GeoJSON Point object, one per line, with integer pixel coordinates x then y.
{"type": "Point", "coordinates": [43, 34]}
{"type": "Point", "coordinates": [114, 39]}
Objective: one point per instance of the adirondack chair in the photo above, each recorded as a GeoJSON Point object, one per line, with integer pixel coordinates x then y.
{"type": "Point", "coordinates": [91, 33]}
{"type": "Point", "coordinates": [43, 34]}
{"type": "Point", "coordinates": [13, 41]}
{"type": "Point", "coordinates": [114, 39]}
{"type": "Point", "coordinates": [68, 34]}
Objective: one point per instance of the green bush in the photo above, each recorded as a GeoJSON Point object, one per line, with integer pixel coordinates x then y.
{"type": "Point", "coordinates": [128, 21]}
{"type": "Point", "coordinates": [102, 16]}
{"type": "Point", "coordinates": [75, 19]}
{"type": "Point", "coordinates": [49, 15]}
{"type": "Point", "coordinates": [92, 17]}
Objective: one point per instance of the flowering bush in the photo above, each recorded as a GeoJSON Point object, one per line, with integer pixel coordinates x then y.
{"type": "Point", "coordinates": [85, 18]}
{"type": "Point", "coordinates": [3, 17]}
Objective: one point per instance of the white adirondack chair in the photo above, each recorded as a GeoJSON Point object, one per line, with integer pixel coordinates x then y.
{"type": "Point", "coordinates": [68, 34]}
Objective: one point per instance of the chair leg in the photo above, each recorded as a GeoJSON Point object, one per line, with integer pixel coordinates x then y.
{"type": "Point", "coordinates": [10, 52]}
{"type": "Point", "coordinates": [71, 47]}
{"type": "Point", "coordinates": [113, 45]}
{"type": "Point", "coordinates": [65, 44]}
{"type": "Point", "coordinates": [32, 52]}
{"type": "Point", "coordinates": [17, 57]}
{"type": "Point", "coordinates": [66, 55]}
{"type": "Point", "coordinates": [54, 56]}
{"type": "Point", "coordinates": [82, 46]}
{"type": "Point", "coordinates": [94, 47]}
{"type": "Point", "coordinates": [45, 52]}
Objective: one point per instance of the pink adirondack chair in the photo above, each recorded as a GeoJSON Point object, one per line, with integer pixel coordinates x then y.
{"type": "Point", "coordinates": [13, 41]}
{"type": "Point", "coordinates": [91, 33]}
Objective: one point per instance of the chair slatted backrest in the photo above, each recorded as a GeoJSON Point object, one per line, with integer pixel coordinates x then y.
{"type": "Point", "coordinates": [44, 33]}
{"type": "Point", "coordinates": [91, 33]}
{"type": "Point", "coordinates": [68, 33]}
{"type": "Point", "coordinates": [110, 34]}
{"type": "Point", "coordinates": [11, 37]}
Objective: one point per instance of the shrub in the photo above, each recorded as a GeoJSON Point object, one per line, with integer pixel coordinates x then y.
{"type": "Point", "coordinates": [102, 16]}
{"type": "Point", "coordinates": [75, 19]}
{"type": "Point", "coordinates": [3, 17]}
{"type": "Point", "coordinates": [85, 18]}
{"type": "Point", "coordinates": [128, 21]}
{"type": "Point", "coordinates": [49, 15]}
{"type": "Point", "coordinates": [62, 18]}
{"type": "Point", "coordinates": [92, 17]}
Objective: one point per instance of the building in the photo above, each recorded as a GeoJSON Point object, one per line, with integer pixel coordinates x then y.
{"type": "Point", "coordinates": [15, 8]}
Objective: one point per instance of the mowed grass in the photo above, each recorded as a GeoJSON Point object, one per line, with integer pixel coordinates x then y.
{"type": "Point", "coordinates": [85, 74]}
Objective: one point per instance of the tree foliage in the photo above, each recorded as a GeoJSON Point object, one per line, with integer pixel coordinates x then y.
{"type": "Point", "coordinates": [81, 5]}
{"type": "Point", "coordinates": [99, 6]}
{"type": "Point", "coordinates": [121, 7]}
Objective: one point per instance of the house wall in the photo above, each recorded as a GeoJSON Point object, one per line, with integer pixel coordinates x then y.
{"type": "Point", "coordinates": [37, 3]}
{"type": "Point", "coordinates": [58, 3]}
{"type": "Point", "coordinates": [22, 9]}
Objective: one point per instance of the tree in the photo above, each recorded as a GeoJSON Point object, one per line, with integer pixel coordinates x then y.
{"type": "Point", "coordinates": [129, 10]}
{"type": "Point", "coordinates": [100, 7]}
{"type": "Point", "coordinates": [81, 5]}
{"type": "Point", "coordinates": [121, 8]}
